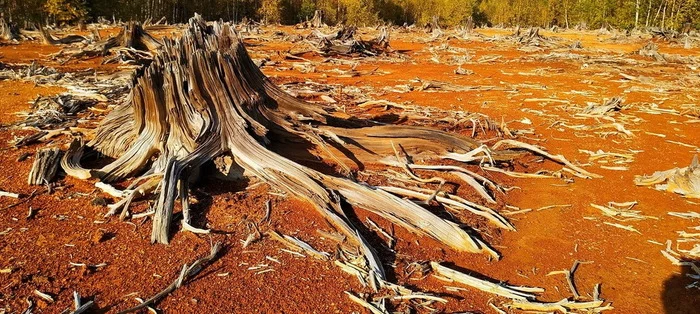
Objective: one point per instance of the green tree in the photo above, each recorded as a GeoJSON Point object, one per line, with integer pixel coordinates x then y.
{"type": "Point", "coordinates": [270, 11]}
{"type": "Point", "coordinates": [307, 9]}
{"type": "Point", "coordinates": [359, 12]}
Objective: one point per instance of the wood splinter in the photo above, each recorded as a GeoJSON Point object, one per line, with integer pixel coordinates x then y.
{"type": "Point", "coordinates": [45, 166]}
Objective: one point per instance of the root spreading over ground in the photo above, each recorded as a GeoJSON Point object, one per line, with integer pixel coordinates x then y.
{"type": "Point", "coordinates": [203, 98]}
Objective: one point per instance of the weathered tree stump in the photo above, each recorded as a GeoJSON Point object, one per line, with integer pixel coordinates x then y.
{"type": "Point", "coordinates": [8, 31]}
{"type": "Point", "coordinates": [317, 20]}
{"type": "Point", "coordinates": [202, 97]}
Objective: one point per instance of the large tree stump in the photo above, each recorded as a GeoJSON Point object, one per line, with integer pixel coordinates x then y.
{"type": "Point", "coordinates": [8, 31]}
{"type": "Point", "coordinates": [202, 97]}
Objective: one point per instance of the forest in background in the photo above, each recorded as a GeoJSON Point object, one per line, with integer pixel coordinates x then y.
{"type": "Point", "coordinates": [590, 14]}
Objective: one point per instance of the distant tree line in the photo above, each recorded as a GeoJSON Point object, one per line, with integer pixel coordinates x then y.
{"type": "Point", "coordinates": [625, 14]}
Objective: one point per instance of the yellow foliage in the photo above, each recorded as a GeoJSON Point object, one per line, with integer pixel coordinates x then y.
{"type": "Point", "coordinates": [270, 10]}
{"type": "Point", "coordinates": [65, 10]}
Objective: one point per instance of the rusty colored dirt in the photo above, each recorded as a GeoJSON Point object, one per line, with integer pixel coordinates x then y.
{"type": "Point", "coordinates": [634, 275]}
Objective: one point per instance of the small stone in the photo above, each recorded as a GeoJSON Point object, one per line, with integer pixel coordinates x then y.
{"type": "Point", "coordinates": [99, 201]}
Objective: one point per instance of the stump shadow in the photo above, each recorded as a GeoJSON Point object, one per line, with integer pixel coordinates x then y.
{"type": "Point", "coordinates": [677, 295]}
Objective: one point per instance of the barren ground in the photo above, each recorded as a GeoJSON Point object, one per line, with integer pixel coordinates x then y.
{"type": "Point", "coordinates": [633, 273]}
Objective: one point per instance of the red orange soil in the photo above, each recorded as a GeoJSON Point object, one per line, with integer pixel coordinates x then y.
{"type": "Point", "coordinates": [634, 275]}
{"type": "Point", "coordinates": [17, 95]}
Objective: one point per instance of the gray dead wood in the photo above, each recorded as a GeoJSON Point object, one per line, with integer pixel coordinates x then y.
{"type": "Point", "coordinates": [30, 139]}
{"type": "Point", "coordinates": [52, 40]}
{"type": "Point", "coordinates": [8, 31]}
{"type": "Point", "coordinates": [317, 20]}
{"type": "Point", "coordinates": [45, 166]}
{"type": "Point", "coordinates": [344, 43]}
{"type": "Point", "coordinates": [132, 38]}
{"type": "Point", "coordinates": [78, 304]}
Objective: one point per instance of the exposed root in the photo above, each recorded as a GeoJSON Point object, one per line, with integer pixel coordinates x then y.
{"type": "Point", "coordinates": [578, 171]}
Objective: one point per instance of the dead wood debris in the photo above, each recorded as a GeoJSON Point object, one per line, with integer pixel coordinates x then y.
{"type": "Point", "coordinates": [44, 296]}
{"type": "Point", "coordinates": [345, 43]}
{"type": "Point", "coordinates": [686, 257]}
{"type": "Point", "coordinates": [524, 298]}
{"type": "Point", "coordinates": [684, 181]}
{"type": "Point", "coordinates": [79, 306]}
{"type": "Point", "coordinates": [298, 245]}
{"type": "Point", "coordinates": [9, 194]}
{"type": "Point", "coordinates": [650, 49]}
{"type": "Point", "coordinates": [375, 309]}
{"type": "Point", "coordinates": [532, 38]}
{"type": "Point", "coordinates": [385, 291]}
{"type": "Point", "coordinates": [133, 44]}
{"type": "Point", "coordinates": [623, 227]}
{"type": "Point", "coordinates": [570, 277]}
{"type": "Point", "coordinates": [56, 111]}
{"type": "Point", "coordinates": [30, 139]}
{"type": "Point", "coordinates": [618, 161]}
{"type": "Point", "coordinates": [622, 211]}
{"type": "Point", "coordinates": [33, 72]}
{"type": "Point", "coordinates": [511, 292]}
{"type": "Point", "coordinates": [608, 107]}
{"type": "Point", "coordinates": [45, 166]}
{"type": "Point", "coordinates": [52, 40]}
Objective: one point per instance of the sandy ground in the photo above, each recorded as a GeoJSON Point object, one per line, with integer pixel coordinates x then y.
{"type": "Point", "coordinates": [634, 276]}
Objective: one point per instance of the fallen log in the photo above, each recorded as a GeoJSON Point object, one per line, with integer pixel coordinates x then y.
{"type": "Point", "coordinates": [52, 40]}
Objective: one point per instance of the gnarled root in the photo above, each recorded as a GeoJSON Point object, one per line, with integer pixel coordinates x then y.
{"type": "Point", "coordinates": [203, 97]}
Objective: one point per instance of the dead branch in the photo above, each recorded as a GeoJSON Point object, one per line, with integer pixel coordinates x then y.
{"type": "Point", "coordinates": [187, 273]}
